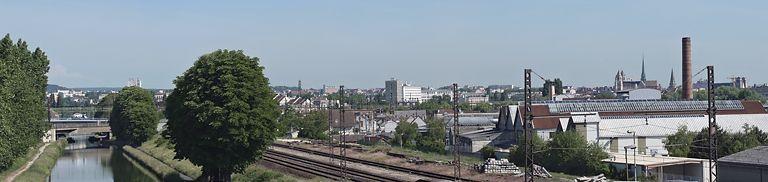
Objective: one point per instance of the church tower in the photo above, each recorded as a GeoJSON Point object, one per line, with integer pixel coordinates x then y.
{"type": "Point", "coordinates": [672, 80]}
{"type": "Point", "coordinates": [619, 82]}
{"type": "Point", "coordinates": [642, 75]}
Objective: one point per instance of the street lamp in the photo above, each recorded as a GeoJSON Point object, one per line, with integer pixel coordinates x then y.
{"type": "Point", "coordinates": [626, 158]}
{"type": "Point", "coordinates": [634, 154]}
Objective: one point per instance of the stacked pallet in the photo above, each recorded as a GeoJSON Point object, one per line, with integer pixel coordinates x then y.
{"type": "Point", "coordinates": [502, 166]}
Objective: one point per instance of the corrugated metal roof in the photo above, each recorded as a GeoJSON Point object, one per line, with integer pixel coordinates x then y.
{"type": "Point", "coordinates": [473, 121]}
{"type": "Point", "coordinates": [637, 105]}
{"type": "Point", "coordinates": [755, 156]}
{"type": "Point", "coordinates": [667, 126]}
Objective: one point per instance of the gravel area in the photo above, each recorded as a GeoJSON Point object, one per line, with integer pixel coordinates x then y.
{"type": "Point", "coordinates": [379, 156]}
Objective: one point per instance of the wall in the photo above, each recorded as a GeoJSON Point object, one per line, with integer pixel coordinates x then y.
{"type": "Point", "coordinates": [736, 172]}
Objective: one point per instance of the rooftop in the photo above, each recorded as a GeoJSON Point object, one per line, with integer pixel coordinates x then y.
{"type": "Point", "coordinates": [754, 156]}
{"type": "Point", "coordinates": [652, 161]}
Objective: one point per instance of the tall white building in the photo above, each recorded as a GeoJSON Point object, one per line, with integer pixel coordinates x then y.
{"type": "Point", "coordinates": [411, 94]}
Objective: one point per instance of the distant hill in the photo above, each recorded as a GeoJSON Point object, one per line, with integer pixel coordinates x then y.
{"type": "Point", "coordinates": [54, 88]}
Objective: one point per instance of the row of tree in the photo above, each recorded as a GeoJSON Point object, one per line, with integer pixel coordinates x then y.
{"type": "Point", "coordinates": [22, 99]}
{"type": "Point", "coordinates": [686, 143]}
{"type": "Point", "coordinates": [721, 93]}
{"type": "Point", "coordinates": [221, 115]}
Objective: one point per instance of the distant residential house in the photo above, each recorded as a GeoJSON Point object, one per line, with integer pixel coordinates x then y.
{"type": "Point", "coordinates": [353, 121]}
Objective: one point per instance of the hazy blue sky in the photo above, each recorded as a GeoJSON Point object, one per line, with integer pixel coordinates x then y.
{"type": "Point", "coordinates": [364, 43]}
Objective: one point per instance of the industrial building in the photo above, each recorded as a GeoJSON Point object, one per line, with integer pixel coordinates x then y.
{"type": "Point", "coordinates": [748, 165]}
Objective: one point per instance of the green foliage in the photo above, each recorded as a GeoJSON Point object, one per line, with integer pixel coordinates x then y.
{"type": "Point", "coordinates": [517, 153]}
{"type": "Point", "coordinates": [22, 99]}
{"type": "Point", "coordinates": [435, 103]}
{"type": "Point", "coordinates": [41, 168]}
{"type": "Point", "coordinates": [105, 105]}
{"type": "Point", "coordinates": [558, 87]}
{"type": "Point", "coordinates": [488, 152]}
{"type": "Point", "coordinates": [727, 143]}
{"type": "Point", "coordinates": [730, 93]}
{"type": "Point", "coordinates": [405, 135]}
{"type": "Point", "coordinates": [434, 139]}
{"type": "Point", "coordinates": [567, 152]}
{"type": "Point", "coordinates": [679, 144]}
{"type": "Point", "coordinates": [134, 117]}
{"type": "Point", "coordinates": [314, 125]}
{"type": "Point", "coordinates": [221, 114]}
{"type": "Point", "coordinates": [570, 152]}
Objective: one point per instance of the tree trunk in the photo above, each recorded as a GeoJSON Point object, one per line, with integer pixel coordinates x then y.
{"type": "Point", "coordinates": [217, 175]}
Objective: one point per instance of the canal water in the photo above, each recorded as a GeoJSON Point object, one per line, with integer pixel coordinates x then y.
{"type": "Point", "coordinates": [84, 161]}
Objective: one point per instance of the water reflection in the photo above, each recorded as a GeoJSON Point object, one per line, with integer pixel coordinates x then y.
{"type": "Point", "coordinates": [96, 164]}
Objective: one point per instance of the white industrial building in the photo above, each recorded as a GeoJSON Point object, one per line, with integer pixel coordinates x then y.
{"type": "Point", "coordinates": [644, 123]}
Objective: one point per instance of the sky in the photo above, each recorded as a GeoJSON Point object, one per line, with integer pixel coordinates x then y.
{"type": "Point", "coordinates": [360, 44]}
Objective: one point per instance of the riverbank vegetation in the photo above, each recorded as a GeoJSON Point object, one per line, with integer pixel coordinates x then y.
{"type": "Point", "coordinates": [19, 162]}
{"type": "Point", "coordinates": [22, 99]}
{"type": "Point", "coordinates": [162, 170]}
{"type": "Point", "coordinates": [160, 149]}
{"type": "Point", "coordinates": [41, 168]}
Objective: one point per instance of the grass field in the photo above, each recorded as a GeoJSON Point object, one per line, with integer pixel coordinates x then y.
{"type": "Point", "coordinates": [41, 168]}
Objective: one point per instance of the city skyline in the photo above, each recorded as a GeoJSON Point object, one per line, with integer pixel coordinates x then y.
{"type": "Point", "coordinates": [361, 45]}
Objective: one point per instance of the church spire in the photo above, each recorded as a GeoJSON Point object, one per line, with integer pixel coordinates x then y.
{"type": "Point", "coordinates": [642, 75]}
{"type": "Point", "coordinates": [672, 80]}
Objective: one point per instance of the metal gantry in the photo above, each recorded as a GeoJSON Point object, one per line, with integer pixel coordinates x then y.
{"type": "Point", "coordinates": [455, 134]}
{"type": "Point", "coordinates": [528, 127]}
{"type": "Point", "coordinates": [712, 112]}
{"type": "Point", "coordinates": [343, 136]}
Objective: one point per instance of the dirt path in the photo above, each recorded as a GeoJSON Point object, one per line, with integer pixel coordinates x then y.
{"type": "Point", "coordinates": [26, 166]}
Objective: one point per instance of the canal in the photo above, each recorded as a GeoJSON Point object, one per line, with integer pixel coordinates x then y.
{"type": "Point", "coordinates": [86, 161]}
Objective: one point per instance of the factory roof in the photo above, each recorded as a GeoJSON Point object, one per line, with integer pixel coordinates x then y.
{"type": "Point", "coordinates": [638, 105]}
{"type": "Point", "coordinates": [754, 156]}
{"type": "Point", "coordinates": [663, 126]}
{"type": "Point", "coordinates": [652, 161]}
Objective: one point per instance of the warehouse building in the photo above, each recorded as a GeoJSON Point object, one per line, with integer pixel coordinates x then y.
{"type": "Point", "coordinates": [748, 165]}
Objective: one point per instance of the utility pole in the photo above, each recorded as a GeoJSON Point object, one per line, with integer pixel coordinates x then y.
{"type": "Point", "coordinates": [343, 150]}
{"type": "Point", "coordinates": [528, 127]}
{"type": "Point", "coordinates": [712, 112]}
{"type": "Point", "coordinates": [455, 134]}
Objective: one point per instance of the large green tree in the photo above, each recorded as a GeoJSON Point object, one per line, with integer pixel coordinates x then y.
{"type": "Point", "coordinates": [22, 99]}
{"type": "Point", "coordinates": [406, 134]}
{"type": "Point", "coordinates": [434, 139]}
{"type": "Point", "coordinates": [314, 125]}
{"type": "Point", "coordinates": [679, 144]}
{"type": "Point", "coordinates": [571, 153]}
{"type": "Point", "coordinates": [134, 117]}
{"type": "Point", "coordinates": [221, 114]}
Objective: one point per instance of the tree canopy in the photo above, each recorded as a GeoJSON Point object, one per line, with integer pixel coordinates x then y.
{"type": "Point", "coordinates": [22, 99]}
{"type": "Point", "coordinates": [695, 144]}
{"type": "Point", "coordinates": [406, 134]}
{"type": "Point", "coordinates": [221, 114]}
{"type": "Point", "coordinates": [134, 117]}
{"type": "Point", "coordinates": [434, 139]}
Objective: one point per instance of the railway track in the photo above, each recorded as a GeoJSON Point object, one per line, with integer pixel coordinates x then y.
{"type": "Point", "coordinates": [377, 164]}
{"type": "Point", "coordinates": [321, 169]}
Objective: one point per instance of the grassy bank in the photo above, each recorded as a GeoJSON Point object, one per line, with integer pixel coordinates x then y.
{"type": "Point", "coordinates": [19, 162]}
{"type": "Point", "coordinates": [162, 151]}
{"type": "Point", "coordinates": [162, 170]}
{"type": "Point", "coordinates": [41, 168]}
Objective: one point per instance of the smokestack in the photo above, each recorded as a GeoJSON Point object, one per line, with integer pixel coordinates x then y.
{"type": "Point", "coordinates": [687, 80]}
